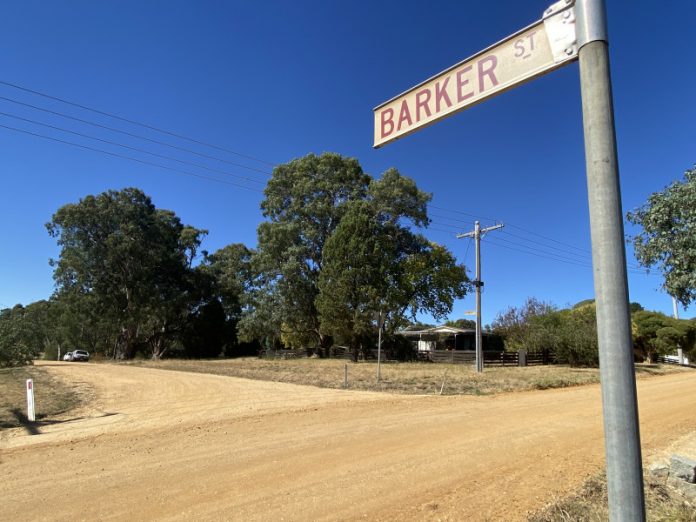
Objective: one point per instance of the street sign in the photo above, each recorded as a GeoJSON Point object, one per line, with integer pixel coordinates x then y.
{"type": "Point", "coordinates": [523, 56]}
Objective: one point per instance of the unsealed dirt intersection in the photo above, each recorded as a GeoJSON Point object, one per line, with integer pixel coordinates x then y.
{"type": "Point", "coordinates": [163, 445]}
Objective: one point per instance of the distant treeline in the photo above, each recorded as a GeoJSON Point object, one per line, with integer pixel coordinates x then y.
{"type": "Point", "coordinates": [571, 334]}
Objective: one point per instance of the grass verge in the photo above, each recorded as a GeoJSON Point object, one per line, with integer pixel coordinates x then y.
{"type": "Point", "coordinates": [662, 504]}
{"type": "Point", "coordinates": [405, 378]}
{"type": "Point", "coordinates": [52, 396]}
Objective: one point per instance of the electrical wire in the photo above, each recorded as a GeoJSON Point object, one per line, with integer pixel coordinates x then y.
{"type": "Point", "coordinates": [123, 156]}
{"type": "Point", "coordinates": [134, 122]}
{"type": "Point", "coordinates": [581, 252]}
{"type": "Point", "coordinates": [132, 135]}
{"type": "Point", "coordinates": [461, 212]}
{"type": "Point", "coordinates": [136, 149]}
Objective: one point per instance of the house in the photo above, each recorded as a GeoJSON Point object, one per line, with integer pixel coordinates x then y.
{"type": "Point", "coordinates": [450, 338]}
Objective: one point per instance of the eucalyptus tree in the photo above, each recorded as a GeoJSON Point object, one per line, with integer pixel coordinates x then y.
{"type": "Point", "coordinates": [304, 202]}
{"type": "Point", "coordinates": [335, 239]}
{"type": "Point", "coordinates": [668, 236]}
{"type": "Point", "coordinates": [132, 259]}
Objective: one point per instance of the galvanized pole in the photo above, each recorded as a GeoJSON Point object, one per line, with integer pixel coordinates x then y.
{"type": "Point", "coordinates": [619, 399]}
{"type": "Point", "coordinates": [479, 348]}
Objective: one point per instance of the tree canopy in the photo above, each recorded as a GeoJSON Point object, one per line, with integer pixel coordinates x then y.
{"type": "Point", "coordinates": [337, 249]}
{"type": "Point", "coordinates": [132, 262]}
{"type": "Point", "coordinates": [668, 236]}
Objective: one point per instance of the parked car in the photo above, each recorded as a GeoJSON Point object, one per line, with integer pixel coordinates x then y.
{"type": "Point", "coordinates": [68, 356]}
{"type": "Point", "coordinates": [80, 355]}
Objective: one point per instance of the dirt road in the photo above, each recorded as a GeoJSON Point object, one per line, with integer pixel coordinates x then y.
{"type": "Point", "coordinates": [162, 445]}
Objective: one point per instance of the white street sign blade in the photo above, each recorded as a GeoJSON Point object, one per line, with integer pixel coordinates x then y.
{"type": "Point", "coordinates": [523, 56]}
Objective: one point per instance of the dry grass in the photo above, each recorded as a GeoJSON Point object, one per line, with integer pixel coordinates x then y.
{"type": "Point", "coordinates": [52, 396]}
{"type": "Point", "coordinates": [662, 504]}
{"type": "Point", "coordinates": [407, 378]}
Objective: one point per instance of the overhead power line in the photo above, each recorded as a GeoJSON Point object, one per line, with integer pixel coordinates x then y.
{"type": "Point", "coordinates": [134, 122]}
{"type": "Point", "coordinates": [130, 158]}
{"type": "Point", "coordinates": [565, 249]}
{"type": "Point", "coordinates": [462, 213]}
{"type": "Point", "coordinates": [132, 135]}
{"type": "Point", "coordinates": [135, 149]}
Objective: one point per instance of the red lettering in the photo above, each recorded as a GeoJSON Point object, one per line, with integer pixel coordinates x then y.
{"type": "Point", "coordinates": [461, 83]}
{"type": "Point", "coordinates": [441, 93]}
{"type": "Point", "coordinates": [422, 101]}
{"type": "Point", "coordinates": [483, 71]}
{"type": "Point", "coordinates": [404, 115]}
{"type": "Point", "coordinates": [387, 117]}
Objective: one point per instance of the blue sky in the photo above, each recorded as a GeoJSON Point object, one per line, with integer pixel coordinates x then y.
{"type": "Point", "coordinates": [276, 80]}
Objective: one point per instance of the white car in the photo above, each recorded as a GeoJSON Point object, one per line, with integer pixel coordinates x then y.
{"type": "Point", "coordinates": [68, 356]}
{"type": "Point", "coordinates": [80, 355]}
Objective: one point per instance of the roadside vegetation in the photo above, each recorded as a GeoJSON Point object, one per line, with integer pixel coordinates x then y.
{"type": "Point", "coordinates": [338, 253]}
{"type": "Point", "coordinates": [406, 378]}
{"type": "Point", "coordinates": [53, 397]}
{"type": "Point", "coordinates": [662, 504]}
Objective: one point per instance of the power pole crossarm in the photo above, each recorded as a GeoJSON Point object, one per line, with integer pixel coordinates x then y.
{"type": "Point", "coordinates": [476, 234]}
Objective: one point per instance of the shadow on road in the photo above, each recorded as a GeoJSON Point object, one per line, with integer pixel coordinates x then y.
{"type": "Point", "coordinates": [33, 428]}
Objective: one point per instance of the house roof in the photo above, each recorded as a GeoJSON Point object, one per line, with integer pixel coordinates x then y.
{"type": "Point", "coordinates": [452, 330]}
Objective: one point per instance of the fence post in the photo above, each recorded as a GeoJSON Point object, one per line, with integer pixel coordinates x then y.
{"type": "Point", "coordinates": [345, 376]}
{"type": "Point", "coordinates": [522, 357]}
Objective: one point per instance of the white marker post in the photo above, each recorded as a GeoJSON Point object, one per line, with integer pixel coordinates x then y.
{"type": "Point", "coordinates": [31, 414]}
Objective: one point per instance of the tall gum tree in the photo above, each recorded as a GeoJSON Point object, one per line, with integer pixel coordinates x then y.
{"type": "Point", "coordinates": [307, 201]}
{"type": "Point", "coordinates": [131, 258]}
{"type": "Point", "coordinates": [304, 201]}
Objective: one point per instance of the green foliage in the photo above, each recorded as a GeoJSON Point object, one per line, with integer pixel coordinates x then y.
{"type": "Point", "coordinates": [462, 323]}
{"type": "Point", "coordinates": [336, 250]}
{"type": "Point", "coordinates": [635, 307]}
{"type": "Point", "coordinates": [374, 264]}
{"type": "Point", "coordinates": [655, 333]}
{"type": "Point", "coordinates": [668, 238]}
{"type": "Point", "coordinates": [515, 324]}
{"type": "Point", "coordinates": [575, 332]}
{"type": "Point", "coordinates": [14, 348]}
{"type": "Point", "coordinates": [130, 264]}
{"type": "Point", "coordinates": [570, 334]}
{"type": "Point", "coordinates": [304, 202]}
{"type": "Point", "coordinates": [232, 276]}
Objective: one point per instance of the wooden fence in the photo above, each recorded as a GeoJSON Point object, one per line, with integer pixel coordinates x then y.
{"type": "Point", "coordinates": [664, 360]}
{"type": "Point", "coordinates": [490, 358]}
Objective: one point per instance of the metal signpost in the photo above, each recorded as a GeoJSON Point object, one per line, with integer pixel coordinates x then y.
{"type": "Point", "coordinates": [568, 31]}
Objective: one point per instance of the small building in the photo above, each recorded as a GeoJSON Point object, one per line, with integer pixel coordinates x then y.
{"type": "Point", "coordinates": [450, 338]}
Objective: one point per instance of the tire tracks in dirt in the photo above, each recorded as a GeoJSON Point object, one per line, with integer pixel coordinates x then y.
{"type": "Point", "coordinates": [185, 446]}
